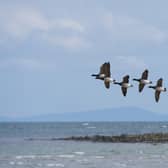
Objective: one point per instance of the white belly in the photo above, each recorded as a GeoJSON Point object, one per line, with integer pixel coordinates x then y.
{"type": "Point", "coordinates": [160, 89]}
{"type": "Point", "coordinates": [143, 81]}
{"type": "Point", "coordinates": [102, 75]}
{"type": "Point", "coordinates": [126, 85]}
{"type": "Point", "coordinates": [108, 79]}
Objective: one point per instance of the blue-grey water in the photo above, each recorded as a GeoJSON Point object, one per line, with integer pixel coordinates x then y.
{"type": "Point", "coordinates": [16, 151]}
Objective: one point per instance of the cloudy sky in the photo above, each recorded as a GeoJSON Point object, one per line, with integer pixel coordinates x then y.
{"type": "Point", "coordinates": [49, 49]}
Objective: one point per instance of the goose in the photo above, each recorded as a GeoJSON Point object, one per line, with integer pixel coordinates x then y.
{"type": "Point", "coordinates": [143, 80]}
{"type": "Point", "coordinates": [158, 89]}
{"type": "Point", "coordinates": [124, 84]}
{"type": "Point", "coordinates": [101, 74]}
{"type": "Point", "coordinates": [105, 75]}
{"type": "Point", "coordinates": [108, 79]}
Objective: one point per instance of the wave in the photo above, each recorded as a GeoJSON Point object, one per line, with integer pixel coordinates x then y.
{"type": "Point", "coordinates": [55, 165]}
{"type": "Point", "coordinates": [66, 156]}
{"type": "Point", "coordinates": [99, 157]}
{"type": "Point", "coordinates": [79, 153]}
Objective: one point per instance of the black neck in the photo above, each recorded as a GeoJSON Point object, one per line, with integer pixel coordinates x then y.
{"type": "Point", "coordinates": [95, 75]}
{"type": "Point", "coordinates": [153, 87]}
{"type": "Point", "coordinates": [118, 83]}
{"type": "Point", "coordinates": [138, 80]}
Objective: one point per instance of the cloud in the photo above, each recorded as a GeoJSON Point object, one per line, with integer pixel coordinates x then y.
{"type": "Point", "coordinates": [20, 22]}
{"type": "Point", "coordinates": [132, 29]}
{"type": "Point", "coordinates": [102, 30]}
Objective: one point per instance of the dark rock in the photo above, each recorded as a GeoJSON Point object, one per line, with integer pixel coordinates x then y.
{"type": "Point", "coordinates": [142, 138]}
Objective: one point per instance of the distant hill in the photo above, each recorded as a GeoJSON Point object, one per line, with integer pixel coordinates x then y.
{"type": "Point", "coordinates": [115, 114]}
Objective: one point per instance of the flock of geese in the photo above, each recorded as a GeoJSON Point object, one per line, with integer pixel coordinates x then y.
{"type": "Point", "coordinates": [105, 75]}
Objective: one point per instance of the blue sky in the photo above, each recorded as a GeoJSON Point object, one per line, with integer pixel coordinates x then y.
{"type": "Point", "coordinates": [48, 49]}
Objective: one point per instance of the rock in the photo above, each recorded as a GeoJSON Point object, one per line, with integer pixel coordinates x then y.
{"type": "Point", "coordinates": [139, 138]}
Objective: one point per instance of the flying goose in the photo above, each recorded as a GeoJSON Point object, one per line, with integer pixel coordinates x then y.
{"type": "Point", "coordinates": [105, 75]}
{"type": "Point", "coordinates": [124, 84]}
{"type": "Point", "coordinates": [158, 89]}
{"type": "Point", "coordinates": [143, 80]}
{"type": "Point", "coordinates": [101, 74]}
{"type": "Point", "coordinates": [108, 79]}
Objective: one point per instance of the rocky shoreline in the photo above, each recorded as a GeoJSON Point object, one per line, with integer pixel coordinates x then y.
{"type": "Point", "coordinates": [142, 138]}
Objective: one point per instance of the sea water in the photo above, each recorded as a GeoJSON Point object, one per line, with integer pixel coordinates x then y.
{"type": "Point", "coordinates": [17, 150]}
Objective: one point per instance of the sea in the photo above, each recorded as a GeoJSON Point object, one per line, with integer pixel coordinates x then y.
{"type": "Point", "coordinates": [17, 150]}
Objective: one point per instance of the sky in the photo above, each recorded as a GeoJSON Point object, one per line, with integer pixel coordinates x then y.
{"type": "Point", "coordinates": [49, 49]}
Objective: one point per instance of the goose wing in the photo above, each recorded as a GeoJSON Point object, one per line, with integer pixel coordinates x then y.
{"type": "Point", "coordinates": [145, 74]}
{"type": "Point", "coordinates": [124, 91]}
{"type": "Point", "coordinates": [107, 74]}
{"type": "Point", "coordinates": [141, 86]}
{"type": "Point", "coordinates": [102, 69]}
{"type": "Point", "coordinates": [107, 70]}
{"type": "Point", "coordinates": [157, 96]}
{"type": "Point", "coordinates": [160, 82]}
{"type": "Point", "coordinates": [126, 79]}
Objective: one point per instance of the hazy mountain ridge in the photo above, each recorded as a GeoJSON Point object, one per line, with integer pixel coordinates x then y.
{"type": "Point", "coordinates": [115, 114]}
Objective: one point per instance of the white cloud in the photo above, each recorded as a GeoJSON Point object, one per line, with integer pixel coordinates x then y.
{"type": "Point", "coordinates": [21, 22]}
{"type": "Point", "coordinates": [128, 28]}
{"type": "Point", "coordinates": [18, 23]}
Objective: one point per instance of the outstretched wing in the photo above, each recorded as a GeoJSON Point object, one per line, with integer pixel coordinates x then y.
{"type": "Point", "coordinates": [157, 96]}
{"type": "Point", "coordinates": [124, 91]}
{"type": "Point", "coordinates": [126, 79]}
{"type": "Point", "coordinates": [145, 74]}
{"type": "Point", "coordinates": [102, 68]}
{"type": "Point", "coordinates": [160, 82]}
{"type": "Point", "coordinates": [107, 70]}
{"type": "Point", "coordinates": [141, 86]}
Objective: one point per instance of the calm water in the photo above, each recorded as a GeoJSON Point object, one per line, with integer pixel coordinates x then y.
{"type": "Point", "coordinates": [18, 152]}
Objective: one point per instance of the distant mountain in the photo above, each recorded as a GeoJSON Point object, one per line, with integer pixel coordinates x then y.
{"type": "Point", "coordinates": [115, 114]}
